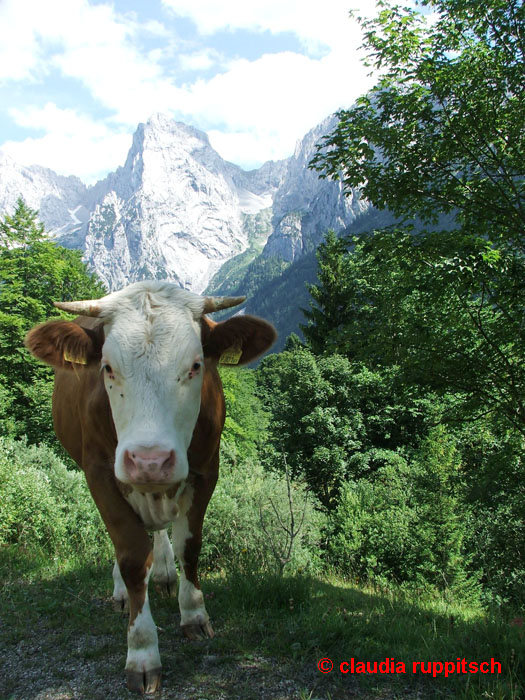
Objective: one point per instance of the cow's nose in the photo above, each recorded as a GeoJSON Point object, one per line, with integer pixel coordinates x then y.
{"type": "Point", "coordinates": [149, 464]}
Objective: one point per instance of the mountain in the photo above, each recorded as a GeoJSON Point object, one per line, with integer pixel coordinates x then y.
{"type": "Point", "coordinates": [57, 198]}
{"type": "Point", "coordinates": [176, 210]}
{"type": "Point", "coordinates": [305, 206]}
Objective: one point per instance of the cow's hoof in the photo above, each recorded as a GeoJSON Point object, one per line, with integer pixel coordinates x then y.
{"type": "Point", "coordinates": [166, 589]}
{"type": "Point", "coordinates": [197, 632]}
{"type": "Point", "coordinates": [144, 681]}
{"type": "Point", "coordinates": [120, 605]}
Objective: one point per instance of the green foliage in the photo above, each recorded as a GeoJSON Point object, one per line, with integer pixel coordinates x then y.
{"type": "Point", "coordinates": [330, 311]}
{"type": "Point", "coordinates": [424, 303]}
{"type": "Point", "coordinates": [441, 134]}
{"type": "Point", "coordinates": [248, 500]}
{"type": "Point", "coordinates": [405, 522]}
{"type": "Point", "coordinates": [336, 419]}
{"type": "Point", "coordinates": [34, 272]}
{"type": "Point", "coordinates": [442, 129]}
{"type": "Point", "coordinates": [438, 299]}
{"type": "Point", "coordinates": [245, 423]}
{"type": "Point", "coordinates": [493, 473]}
{"type": "Point", "coordinates": [45, 506]}
{"type": "Point", "coordinates": [233, 535]}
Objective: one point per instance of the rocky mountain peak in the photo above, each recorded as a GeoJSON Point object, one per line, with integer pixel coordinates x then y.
{"type": "Point", "coordinates": [176, 210]}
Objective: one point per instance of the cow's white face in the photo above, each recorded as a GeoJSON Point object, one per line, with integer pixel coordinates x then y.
{"type": "Point", "coordinates": [153, 366]}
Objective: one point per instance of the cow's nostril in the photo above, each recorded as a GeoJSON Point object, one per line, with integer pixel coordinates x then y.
{"type": "Point", "coordinates": [169, 462]}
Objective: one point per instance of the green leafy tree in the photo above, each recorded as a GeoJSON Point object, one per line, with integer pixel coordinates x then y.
{"type": "Point", "coordinates": [34, 272]}
{"type": "Point", "coordinates": [404, 300]}
{"type": "Point", "coordinates": [441, 135]}
{"type": "Point", "coordinates": [245, 425]}
{"type": "Point", "coordinates": [336, 420]}
{"type": "Point", "coordinates": [406, 521]}
{"type": "Point", "coordinates": [330, 295]}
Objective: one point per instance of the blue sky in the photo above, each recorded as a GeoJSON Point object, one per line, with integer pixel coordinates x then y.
{"type": "Point", "coordinates": [77, 76]}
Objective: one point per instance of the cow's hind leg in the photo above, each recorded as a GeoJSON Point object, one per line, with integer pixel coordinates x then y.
{"type": "Point", "coordinates": [120, 592]}
{"type": "Point", "coordinates": [164, 570]}
{"type": "Point", "coordinates": [187, 540]}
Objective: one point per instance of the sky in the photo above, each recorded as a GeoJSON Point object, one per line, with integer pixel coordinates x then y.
{"type": "Point", "coordinates": [78, 76]}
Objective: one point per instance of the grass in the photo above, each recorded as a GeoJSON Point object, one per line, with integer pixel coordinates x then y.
{"type": "Point", "coordinates": [60, 639]}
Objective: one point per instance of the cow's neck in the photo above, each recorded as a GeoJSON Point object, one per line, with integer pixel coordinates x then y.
{"type": "Point", "coordinates": [156, 510]}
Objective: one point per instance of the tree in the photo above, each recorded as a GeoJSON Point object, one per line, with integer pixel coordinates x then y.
{"type": "Point", "coordinates": [336, 420]}
{"type": "Point", "coordinates": [329, 311]}
{"type": "Point", "coordinates": [34, 272]}
{"type": "Point", "coordinates": [441, 135]}
{"type": "Point", "coordinates": [245, 424]}
{"type": "Point", "coordinates": [403, 300]}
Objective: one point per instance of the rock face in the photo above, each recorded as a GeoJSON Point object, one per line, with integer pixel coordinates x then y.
{"type": "Point", "coordinates": [59, 199]}
{"type": "Point", "coordinates": [173, 211]}
{"type": "Point", "coordinates": [176, 210]}
{"type": "Point", "coordinates": [304, 206]}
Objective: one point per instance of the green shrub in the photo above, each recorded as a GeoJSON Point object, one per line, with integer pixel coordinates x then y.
{"type": "Point", "coordinates": [495, 496]}
{"type": "Point", "coordinates": [374, 529]}
{"type": "Point", "coordinates": [406, 523]}
{"type": "Point", "coordinates": [47, 506]}
{"type": "Point", "coordinates": [235, 537]}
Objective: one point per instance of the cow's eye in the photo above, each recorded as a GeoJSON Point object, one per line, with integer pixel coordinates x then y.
{"type": "Point", "coordinates": [107, 368]}
{"type": "Point", "coordinates": [196, 366]}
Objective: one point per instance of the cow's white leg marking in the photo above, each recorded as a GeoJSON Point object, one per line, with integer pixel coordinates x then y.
{"type": "Point", "coordinates": [191, 601]}
{"type": "Point", "coordinates": [164, 571]}
{"type": "Point", "coordinates": [120, 592]}
{"type": "Point", "coordinates": [143, 643]}
{"type": "Point", "coordinates": [191, 604]}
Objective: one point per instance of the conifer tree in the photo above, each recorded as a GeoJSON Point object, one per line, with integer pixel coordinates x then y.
{"type": "Point", "coordinates": [34, 272]}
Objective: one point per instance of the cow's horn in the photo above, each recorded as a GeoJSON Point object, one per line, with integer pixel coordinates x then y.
{"type": "Point", "coordinates": [217, 303]}
{"type": "Point", "coordinates": [90, 307]}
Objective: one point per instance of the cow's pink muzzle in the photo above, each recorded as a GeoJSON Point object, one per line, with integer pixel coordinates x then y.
{"type": "Point", "coordinates": [149, 466]}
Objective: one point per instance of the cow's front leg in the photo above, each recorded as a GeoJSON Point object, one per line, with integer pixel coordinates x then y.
{"type": "Point", "coordinates": [187, 540]}
{"type": "Point", "coordinates": [134, 555]}
{"type": "Point", "coordinates": [164, 570]}
{"type": "Point", "coordinates": [143, 667]}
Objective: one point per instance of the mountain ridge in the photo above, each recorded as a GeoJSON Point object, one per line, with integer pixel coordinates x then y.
{"type": "Point", "coordinates": [177, 210]}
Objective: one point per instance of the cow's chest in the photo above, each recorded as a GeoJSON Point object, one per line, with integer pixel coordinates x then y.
{"type": "Point", "coordinates": [157, 510]}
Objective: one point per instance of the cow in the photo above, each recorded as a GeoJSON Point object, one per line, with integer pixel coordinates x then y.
{"type": "Point", "coordinates": [139, 406]}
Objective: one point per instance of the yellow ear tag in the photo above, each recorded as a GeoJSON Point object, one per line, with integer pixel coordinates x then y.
{"type": "Point", "coordinates": [76, 360]}
{"type": "Point", "coordinates": [231, 356]}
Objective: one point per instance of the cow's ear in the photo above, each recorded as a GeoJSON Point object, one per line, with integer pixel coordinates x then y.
{"type": "Point", "coordinates": [64, 344]}
{"type": "Point", "coordinates": [238, 340]}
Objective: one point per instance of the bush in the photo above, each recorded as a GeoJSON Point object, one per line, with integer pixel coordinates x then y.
{"type": "Point", "coordinates": [405, 523]}
{"type": "Point", "coordinates": [374, 529]}
{"type": "Point", "coordinates": [47, 506]}
{"type": "Point", "coordinates": [495, 497]}
{"type": "Point", "coordinates": [234, 536]}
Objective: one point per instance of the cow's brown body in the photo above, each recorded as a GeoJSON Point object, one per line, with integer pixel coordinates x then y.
{"type": "Point", "coordinates": [84, 424]}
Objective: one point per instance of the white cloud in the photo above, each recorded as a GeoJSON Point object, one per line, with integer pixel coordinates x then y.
{"type": "Point", "coordinates": [308, 20]}
{"type": "Point", "coordinates": [247, 148]}
{"type": "Point", "coordinates": [73, 143]}
{"type": "Point", "coordinates": [268, 104]}
{"type": "Point", "coordinates": [200, 60]}
{"type": "Point", "coordinates": [256, 109]}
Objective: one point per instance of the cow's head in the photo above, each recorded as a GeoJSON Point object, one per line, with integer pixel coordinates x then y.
{"type": "Point", "coordinates": [151, 355]}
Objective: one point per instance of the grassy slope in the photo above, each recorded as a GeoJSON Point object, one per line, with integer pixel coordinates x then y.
{"type": "Point", "coordinates": [60, 639]}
